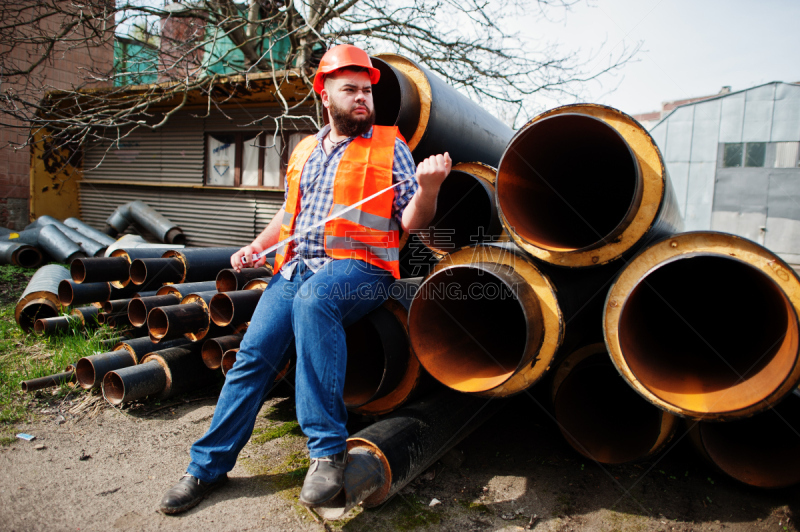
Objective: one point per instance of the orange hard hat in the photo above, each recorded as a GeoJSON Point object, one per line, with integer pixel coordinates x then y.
{"type": "Point", "coordinates": [342, 56]}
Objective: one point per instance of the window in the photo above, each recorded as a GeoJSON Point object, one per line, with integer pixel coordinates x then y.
{"type": "Point", "coordinates": [755, 154]}
{"type": "Point", "coordinates": [732, 157]}
{"type": "Point", "coordinates": [786, 154]}
{"type": "Point", "coordinates": [249, 159]}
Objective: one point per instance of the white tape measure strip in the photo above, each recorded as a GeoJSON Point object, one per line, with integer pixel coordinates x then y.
{"type": "Point", "coordinates": [285, 241]}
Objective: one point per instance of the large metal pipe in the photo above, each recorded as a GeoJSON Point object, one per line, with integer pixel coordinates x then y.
{"type": "Point", "coordinates": [40, 298]}
{"type": "Point", "coordinates": [215, 348]}
{"type": "Point", "coordinates": [761, 451]}
{"type": "Point", "coordinates": [139, 308]}
{"type": "Point", "coordinates": [114, 268]}
{"type": "Point", "coordinates": [49, 381]}
{"type": "Point", "coordinates": [201, 264]}
{"type": "Point", "coordinates": [704, 325]}
{"type": "Point", "coordinates": [89, 231]}
{"type": "Point", "coordinates": [230, 280]}
{"type": "Point", "coordinates": [72, 293]}
{"type": "Point", "coordinates": [233, 308]}
{"type": "Point", "coordinates": [488, 321]}
{"type": "Point", "coordinates": [20, 254]}
{"type": "Point", "coordinates": [390, 453]}
{"type": "Point", "coordinates": [600, 416]}
{"type": "Point", "coordinates": [147, 217]}
{"type": "Point", "coordinates": [583, 185]}
{"type": "Point", "coordinates": [89, 246]}
{"type": "Point", "coordinates": [158, 271]}
{"type": "Point", "coordinates": [58, 245]}
{"type": "Point", "coordinates": [191, 318]}
{"type": "Point", "coordinates": [377, 357]}
{"type": "Point", "coordinates": [162, 373]}
{"type": "Point", "coordinates": [465, 210]}
{"type": "Point", "coordinates": [447, 120]}
{"type": "Point", "coordinates": [128, 352]}
{"type": "Point", "coordinates": [397, 101]}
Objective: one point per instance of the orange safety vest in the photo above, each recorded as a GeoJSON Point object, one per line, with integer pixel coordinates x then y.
{"type": "Point", "coordinates": [368, 232]}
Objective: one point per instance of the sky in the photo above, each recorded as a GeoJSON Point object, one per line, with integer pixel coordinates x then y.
{"type": "Point", "coordinates": [688, 47]}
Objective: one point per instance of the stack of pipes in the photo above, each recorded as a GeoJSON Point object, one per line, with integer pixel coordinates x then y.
{"type": "Point", "coordinates": [545, 240]}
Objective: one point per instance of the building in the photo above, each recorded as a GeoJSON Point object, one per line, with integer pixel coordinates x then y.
{"type": "Point", "coordinates": [733, 163]}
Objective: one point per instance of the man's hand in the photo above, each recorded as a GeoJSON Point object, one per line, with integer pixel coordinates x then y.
{"type": "Point", "coordinates": [247, 252]}
{"type": "Point", "coordinates": [432, 171]}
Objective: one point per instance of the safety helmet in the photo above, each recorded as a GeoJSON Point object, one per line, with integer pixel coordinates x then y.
{"type": "Point", "coordinates": [342, 56]}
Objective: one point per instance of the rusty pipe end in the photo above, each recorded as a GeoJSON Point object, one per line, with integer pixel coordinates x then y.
{"type": "Point", "coordinates": [158, 323]}
{"type": "Point", "coordinates": [135, 382]}
{"type": "Point", "coordinates": [228, 360]}
{"type": "Point", "coordinates": [28, 257]}
{"type": "Point", "coordinates": [221, 309]}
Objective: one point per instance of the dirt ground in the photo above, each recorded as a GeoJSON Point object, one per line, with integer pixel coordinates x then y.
{"type": "Point", "coordinates": [93, 467]}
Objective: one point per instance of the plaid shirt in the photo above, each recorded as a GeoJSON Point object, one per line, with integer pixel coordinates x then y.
{"type": "Point", "coordinates": [316, 197]}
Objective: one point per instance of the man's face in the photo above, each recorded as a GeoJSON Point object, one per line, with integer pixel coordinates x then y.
{"type": "Point", "coordinates": [348, 97]}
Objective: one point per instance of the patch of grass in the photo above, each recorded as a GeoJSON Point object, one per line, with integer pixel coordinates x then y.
{"type": "Point", "coordinates": [263, 435]}
{"type": "Point", "coordinates": [7, 440]}
{"type": "Point", "coordinates": [474, 506]}
{"type": "Point", "coordinates": [412, 513]}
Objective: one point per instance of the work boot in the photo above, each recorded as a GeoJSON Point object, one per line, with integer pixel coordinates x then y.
{"type": "Point", "coordinates": [187, 493]}
{"type": "Point", "coordinates": [324, 479]}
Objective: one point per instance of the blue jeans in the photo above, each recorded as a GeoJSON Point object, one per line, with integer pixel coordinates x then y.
{"type": "Point", "coordinates": [312, 309]}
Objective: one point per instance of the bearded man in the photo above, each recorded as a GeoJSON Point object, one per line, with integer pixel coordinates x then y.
{"type": "Point", "coordinates": [324, 281]}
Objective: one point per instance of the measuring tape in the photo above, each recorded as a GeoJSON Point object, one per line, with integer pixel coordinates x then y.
{"type": "Point", "coordinates": [294, 237]}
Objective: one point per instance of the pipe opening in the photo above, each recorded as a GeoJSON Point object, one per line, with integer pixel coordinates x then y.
{"type": "Point", "coordinates": [212, 354]}
{"type": "Point", "coordinates": [221, 310]}
{"type": "Point", "coordinates": [65, 293]}
{"type": "Point", "coordinates": [228, 360]}
{"type": "Point", "coordinates": [602, 416]}
{"type": "Point", "coordinates": [396, 100]}
{"type": "Point", "coordinates": [464, 214]}
{"type": "Point", "coordinates": [468, 328]}
{"type": "Point", "coordinates": [158, 323]}
{"type": "Point", "coordinates": [137, 312]}
{"type": "Point", "coordinates": [84, 372]}
{"type": "Point", "coordinates": [763, 450]}
{"type": "Point", "coordinates": [709, 334]}
{"type": "Point", "coordinates": [226, 281]}
{"type": "Point", "coordinates": [161, 270]}
{"type": "Point", "coordinates": [365, 363]}
{"type": "Point", "coordinates": [77, 270]}
{"type": "Point", "coordinates": [113, 388]}
{"type": "Point", "coordinates": [32, 312]}
{"type": "Point", "coordinates": [29, 257]}
{"type": "Point", "coordinates": [568, 182]}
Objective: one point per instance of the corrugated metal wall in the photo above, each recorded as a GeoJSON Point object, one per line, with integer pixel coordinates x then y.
{"type": "Point", "coordinates": [174, 155]}
{"type": "Point", "coordinates": [208, 217]}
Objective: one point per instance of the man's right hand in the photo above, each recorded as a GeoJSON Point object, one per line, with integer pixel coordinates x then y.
{"type": "Point", "coordinates": [247, 252]}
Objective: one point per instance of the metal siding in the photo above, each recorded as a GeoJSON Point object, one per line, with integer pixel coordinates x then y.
{"type": "Point", "coordinates": [705, 134]}
{"type": "Point", "coordinates": [679, 177]}
{"type": "Point", "coordinates": [758, 114]}
{"type": "Point", "coordinates": [784, 194]}
{"type": "Point", "coordinates": [679, 135]}
{"type": "Point", "coordinates": [659, 134]}
{"type": "Point", "coordinates": [731, 118]}
{"type": "Point", "coordinates": [699, 196]}
{"type": "Point", "coordinates": [266, 207]}
{"type": "Point", "coordinates": [207, 217]}
{"type": "Point", "coordinates": [786, 114]}
{"type": "Point", "coordinates": [741, 190]}
{"type": "Point", "coordinates": [745, 224]}
{"type": "Point", "coordinates": [783, 236]}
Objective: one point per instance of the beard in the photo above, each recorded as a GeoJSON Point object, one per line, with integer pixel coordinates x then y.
{"type": "Point", "coordinates": [348, 125]}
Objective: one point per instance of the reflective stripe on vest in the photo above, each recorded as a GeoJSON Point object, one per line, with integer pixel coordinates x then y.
{"type": "Point", "coordinates": [368, 232]}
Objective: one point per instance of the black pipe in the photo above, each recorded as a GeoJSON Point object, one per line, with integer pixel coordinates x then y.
{"type": "Point", "coordinates": [233, 308]}
{"type": "Point", "coordinates": [152, 272]}
{"type": "Point", "coordinates": [164, 373]}
{"type": "Point", "coordinates": [229, 359]}
{"type": "Point", "coordinates": [99, 269]}
{"type": "Point", "coordinates": [48, 381]}
{"type": "Point", "coordinates": [215, 348]}
{"type": "Point", "coordinates": [397, 101]}
{"type": "Point", "coordinates": [230, 280]}
{"type": "Point", "coordinates": [55, 325]}
{"type": "Point", "coordinates": [399, 447]}
{"type": "Point", "coordinates": [448, 120]}
{"type": "Point", "coordinates": [190, 318]}
{"type": "Point", "coordinates": [201, 264]}
{"type": "Point", "coordinates": [138, 308]}
{"type": "Point", "coordinates": [141, 347]}
{"type": "Point", "coordinates": [87, 316]}
{"type": "Point", "coordinates": [184, 289]}
{"type": "Point", "coordinates": [91, 370]}
{"type": "Point", "coordinates": [118, 321]}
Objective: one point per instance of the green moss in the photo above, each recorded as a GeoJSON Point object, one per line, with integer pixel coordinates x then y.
{"type": "Point", "coordinates": [7, 440]}
{"type": "Point", "coordinates": [411, 513]}
{"type": "Point", "coordinates": [474, 506]}
{"type": "Point", "coordinates": [263, 435]}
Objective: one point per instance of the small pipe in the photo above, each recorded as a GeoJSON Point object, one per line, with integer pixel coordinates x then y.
{"type": "Point", "coordinates": [87, 316]}
{"type": "Point", "coordinates": [40, 298]}
{"type": "Point", "coordinates": [55, 325]}
{"type": "Point", "coordinates": [229, 359]}
{"type": "Point", "coordinates": [602, 417]}
{"type": "Point", "coordinates": [131, 254]}
{"type": "Point", "coordinates": [761, 451]}
{"type": "Point", "coordinates": [583, 185]}
{"type": "Point", "coordinates": [116, 306]}
{"type": "Point", "coordinates": [110, 343]}
{"type": "Point", "coordinates": [138, 308]}
{"type": "Point", "coordinates": [162, 373]}
{"type": "Point", "coordinates": [201, 264]}
{"type": "Point", "coordinates": [230, 280]}
{"type": "Point", "coordinates": [152, 272]}
{"type": "Point", "coordinates": [91, 370]}
{"type": "Point", "coordinates": [184, 289]}
{"type": "Point", "coordinates": [704, 325]}
{"type": "Point", "coordinates": [233, 308]}
{"type": "Point", "coordinates": [176, 321]}
{"type": "Point", "coordinates": [203, 299]}
{"type": "Point", "coordinates": [143, 346]}
{"type": "Point", "coordinates": [72, 293]}
{"type": "Point", "coordinates": [118, 321]}
{"type": "Point", "coordinates": [99, 269]}
{"type": "Point", "coordinates": [395, 450]}
{"type": "Point", "coordinates": [48, 381]}
{"type": "Point", "coordinates": [215, 348]}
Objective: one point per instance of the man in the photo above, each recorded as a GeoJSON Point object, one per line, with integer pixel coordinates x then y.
{"type": "Point", "coordinates": [323, 282]}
